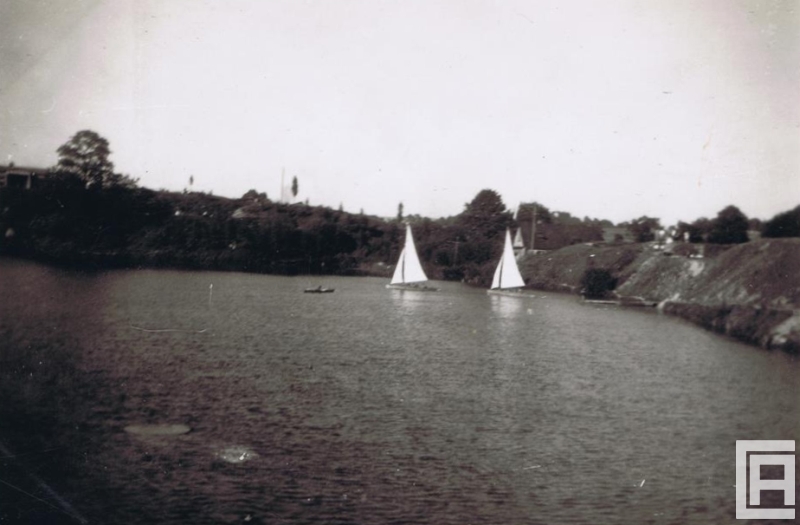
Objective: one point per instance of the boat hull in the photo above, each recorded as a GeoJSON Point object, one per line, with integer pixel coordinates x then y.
{"type": "Point", "coordinates": [623, 301]}
{"type": "Point", "coordinates": [601, 301]}
{"type": "Point", "coordinates": [315, 290]}
{"type": "Point", "coordinates": [412, 287]}
{"type": "Point", "coordinates": [511, 293]}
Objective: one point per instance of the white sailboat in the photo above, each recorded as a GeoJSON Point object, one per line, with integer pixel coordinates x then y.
{"type": "Point", "coordinates": [408, 274]}
{"type": "Point", "coordinates": [507, 280]}
{"type": "Point", "coordinates": [519, 244]}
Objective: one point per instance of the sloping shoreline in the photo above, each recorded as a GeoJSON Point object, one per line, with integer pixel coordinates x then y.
{"type": "Point", "coordinates": [749, 291]}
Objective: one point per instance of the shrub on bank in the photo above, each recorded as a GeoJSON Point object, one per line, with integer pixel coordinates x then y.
{"type": "Point", "coordinates": [597, 283]}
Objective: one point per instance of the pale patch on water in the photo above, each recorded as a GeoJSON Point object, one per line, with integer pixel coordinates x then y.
{"type": "Point", "coordinates": [236, 454]}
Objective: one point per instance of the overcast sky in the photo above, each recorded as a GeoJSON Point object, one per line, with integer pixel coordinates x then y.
{"type": "Point", "coordinates": [611, 109]}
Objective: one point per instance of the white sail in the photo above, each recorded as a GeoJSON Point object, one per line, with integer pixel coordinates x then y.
{"type": "Point", "coordinates": [507, 274]}
{"type": "Point", "coordinates": [397, 277]}
{"type": "Point", "coordinates": [518, 242]}
{"type": "Point", "coordinates": [409, 269]}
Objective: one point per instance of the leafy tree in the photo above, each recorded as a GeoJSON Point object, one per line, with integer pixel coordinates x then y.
{"type": "Point", "coordinates": [697, 230]}
{"type": "Point", "coordinates": [85, 155]}
{"type": "Point", "coordinates": [487, 213]}
{"type": "Point", "coordinates": [644, 228]}
{"type": "Point", "coordinates": [543, 214]}
{"type": "Point", "coordinates": [486, 204]}
{"type": "Point", "coordinates": [485, 217]}
{"type": "Point", "coordinates": [479, 231]}
{"type": "Point", "coordinates": [400, 212]}
{"type": "Point", "coordinates": [785, 224]}
{"type": "Point", "coordinates": [730, 227]}
{"type": "Point", "coordinates": [295, 187]}
{"type": "Point", "coordinates": [254, 195]}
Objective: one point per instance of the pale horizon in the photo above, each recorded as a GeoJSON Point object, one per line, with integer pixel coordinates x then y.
{"type": "Point", "coordinates": [669, 109]}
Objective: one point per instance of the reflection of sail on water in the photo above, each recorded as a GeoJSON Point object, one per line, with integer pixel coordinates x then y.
{"type": "Point", "coordinates": [409, 269]}
{"type": "Point", "coordinates": [509, 310]}
{"type": "Point", "coordinates": [507, 274]}
{"type": "Point", "coordinates": [407, 306]}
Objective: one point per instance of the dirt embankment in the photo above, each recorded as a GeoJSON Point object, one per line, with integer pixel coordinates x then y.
{"type": "Point", "coordinates": [749, 291]}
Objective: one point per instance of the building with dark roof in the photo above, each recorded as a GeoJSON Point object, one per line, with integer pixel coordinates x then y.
{"type": "Point", "coordinates": [23, 177]}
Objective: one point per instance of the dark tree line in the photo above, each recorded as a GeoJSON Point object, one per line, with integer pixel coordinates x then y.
{"type": "Point", "coordinates": [731, 226]}
{"type": "Point", "coordinates": [785, 224]}
{"type": "Point", "coordinates": [87, 211]}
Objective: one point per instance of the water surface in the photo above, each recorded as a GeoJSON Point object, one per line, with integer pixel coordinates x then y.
{"type": "Point", "coordinates": [371, 405]}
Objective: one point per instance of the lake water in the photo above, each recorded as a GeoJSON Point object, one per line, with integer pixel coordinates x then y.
{"type": "Point", "coordinates": [370, 405]}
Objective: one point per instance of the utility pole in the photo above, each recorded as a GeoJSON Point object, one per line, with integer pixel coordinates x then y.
{"type": "Point", "coordinates": [283, 188]}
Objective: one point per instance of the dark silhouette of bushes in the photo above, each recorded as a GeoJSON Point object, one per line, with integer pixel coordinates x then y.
{"type": "Point", "coordinates": [597, 283]}
{"type": "Point", "coordinates": [64, 220]}
{"type": "Point", "coordinates": [730, 227]}
{"type": "Point", "coordinates": [786, 224]}
{"type": "Point", "coordinates": [644, 229]}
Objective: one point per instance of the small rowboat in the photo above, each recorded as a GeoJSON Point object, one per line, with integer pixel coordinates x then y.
{"type": "Point", "coordinates": [319, 289]}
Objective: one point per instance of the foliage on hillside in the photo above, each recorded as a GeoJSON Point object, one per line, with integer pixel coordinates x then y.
{"type": "Point", "coordinates": [562, 270]}
{"type": "Point", "coordinates": [785, 224]}
{"type": "Point", "coordinates": [762, 272]}
{"type": "Point", "coordinates": [556, 230]}
{"type": "Point", "coordinates": [65, 221]}
{"type": "Point", "coordinates": [730, 227]}
{"type": "Point", "coordinates": [85, 212]}
{"type": "Point", "coordinates": [597, 283]}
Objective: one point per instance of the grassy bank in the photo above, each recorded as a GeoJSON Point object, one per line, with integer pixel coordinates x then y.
{"type": "Point", "coordinates": [749, 291]}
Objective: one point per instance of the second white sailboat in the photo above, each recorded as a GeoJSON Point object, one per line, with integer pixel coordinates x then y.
{"type": "Point", "coordinates": [507, 280]}
{"type": "Point", "coordinates": [408, 274]}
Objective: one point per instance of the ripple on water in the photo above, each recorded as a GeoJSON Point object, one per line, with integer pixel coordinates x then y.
{"type": "Point", "coordinates": [371, 408]}
{"type": "Point", "coordinates": [157, 430]}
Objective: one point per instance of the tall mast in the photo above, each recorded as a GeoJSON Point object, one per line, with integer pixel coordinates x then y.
{"type": "Point", "coordinates": [502, 261]}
